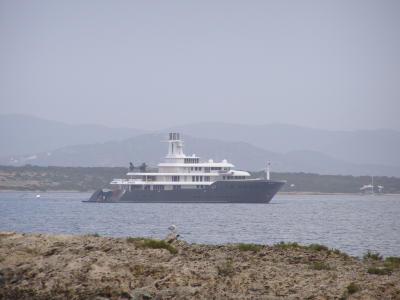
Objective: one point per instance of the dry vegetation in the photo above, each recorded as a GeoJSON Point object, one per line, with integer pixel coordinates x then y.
{"type": "Point", "coordinates": [38, 266]}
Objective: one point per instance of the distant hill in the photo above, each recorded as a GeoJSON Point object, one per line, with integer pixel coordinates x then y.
{"type": "Point", "coordinates": [379, 147]}
{"type": "Point", "coordinates": [23, 134]}
{"type": "Point", "coordinates": [149, 148]}
{"type": "Point", "coordinates": [30, 140]}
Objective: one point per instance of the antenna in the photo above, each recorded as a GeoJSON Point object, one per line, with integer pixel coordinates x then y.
{"type": "Point", "coordinates": [372, 183]}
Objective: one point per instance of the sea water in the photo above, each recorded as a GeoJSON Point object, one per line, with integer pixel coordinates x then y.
{"type": "Point", "coordinates": [351, 223]}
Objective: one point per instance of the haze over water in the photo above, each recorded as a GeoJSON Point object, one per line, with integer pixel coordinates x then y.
{"type": "Point", "coordinates": [353, 224]}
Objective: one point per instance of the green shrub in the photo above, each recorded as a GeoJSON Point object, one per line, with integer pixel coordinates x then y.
{"type": "Point", "coordinates": [392, 261]}
{"type": "Point", "coordinates": [226, 268]}
{"type": "Point", "coordinates": [151, 243]}
{"type": "Point", "coordinates": [344, 255]}
{"type": "Point", "coordinates": [249, 247]}
{"type": "Point", "coordinates": [284, 245]}
{"type": "Point", "coordinates": [317, 247]}
{"type": "Point", "coordinates": [319, 266]}
{"type": "Point", "coordinates": [134, 240]}
{"type": "Point", "coordinates": [159, 244]}
{"type": "Point", "coordinates": [379, 271]}
{"type": "Point", "coordinates": [313, 247]}
{"type": "Point", "coordinates": [352, 288]}
{"type": "Point", "coordinates": [372, 255]}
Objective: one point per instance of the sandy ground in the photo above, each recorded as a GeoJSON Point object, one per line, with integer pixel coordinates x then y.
{"type": "Point", "coordinates": [39, 266]}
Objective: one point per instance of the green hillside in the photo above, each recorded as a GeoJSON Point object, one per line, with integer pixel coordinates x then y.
{"type": "Point", "coordinates": [32, 178]}
{"type": "Point", "coordinates": [309, 182]}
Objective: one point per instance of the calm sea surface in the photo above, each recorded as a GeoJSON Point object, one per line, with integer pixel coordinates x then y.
{"type": "Point", "coordinates": [353, 224]}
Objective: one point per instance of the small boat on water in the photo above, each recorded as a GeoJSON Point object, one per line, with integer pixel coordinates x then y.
{"type": "Point", "coordinates": [186, 179]}
{"type": "Point", "coordinates": [371, 189]}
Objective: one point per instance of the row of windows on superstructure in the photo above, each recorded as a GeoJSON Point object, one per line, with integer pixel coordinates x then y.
{"type": "Point", "coordinates": [233, 177]}
{"type": "Point", "coordinates": [194, 178]}
{"type": "Point", "coordinates": [139, 187]}
{"type": "Point", "coordinates": [158, 187]}
{"type": "Point", "coordinates": [147, 187]}
{"type": "Point", "coordinates": [207, 169]}
{"type": "Point", "coordinates": [200, 178]}
{"type": "Point", "coordinates": [191, 160]}
{"type": "Point", "coordinates": [179, 187]}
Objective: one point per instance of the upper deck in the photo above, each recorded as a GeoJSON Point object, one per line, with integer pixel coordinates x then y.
{"type": "Point", "coordinates": [180, 169]}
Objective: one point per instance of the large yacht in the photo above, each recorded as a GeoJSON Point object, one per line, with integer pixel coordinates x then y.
{"type": "Point", "coordinates": [181, 178]}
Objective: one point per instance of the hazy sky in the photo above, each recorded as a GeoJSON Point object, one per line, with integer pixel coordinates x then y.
{"type": "Point", "coordinates": [150, 64]}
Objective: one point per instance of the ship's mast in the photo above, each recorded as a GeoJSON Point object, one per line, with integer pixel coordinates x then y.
{"type": "Point", "coordinates": [175, 147]}
{"type": "Point", "coordinates": [267, 176]}
{"type": "Point", "coordinates": [372, 183]}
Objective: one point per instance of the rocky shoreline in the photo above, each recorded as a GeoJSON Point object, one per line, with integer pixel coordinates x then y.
{"type": "Point", "coordinates": [40, 266]}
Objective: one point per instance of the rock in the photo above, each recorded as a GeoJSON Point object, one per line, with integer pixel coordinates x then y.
{"type": "Point", "coordinates": [39, 266]}
{"type": "Point", "coordinates": [170, 238]}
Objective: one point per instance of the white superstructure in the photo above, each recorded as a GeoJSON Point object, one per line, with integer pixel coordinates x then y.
{"type": "Point", "coordinates": [179, 171]}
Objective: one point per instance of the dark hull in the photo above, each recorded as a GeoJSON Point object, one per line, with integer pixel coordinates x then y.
{"type": "Point", "coordinates": [246, 191]}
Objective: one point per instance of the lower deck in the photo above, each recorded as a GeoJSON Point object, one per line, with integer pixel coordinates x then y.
{"type": "Point", "coordinates": [246, 191]}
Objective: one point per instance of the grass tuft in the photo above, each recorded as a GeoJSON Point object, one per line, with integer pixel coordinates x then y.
{"type": "Point", "coordinates": [352, 288]}
{"type": "Point", "coordinates": [392, 261]}
{"type": "Point", "coordinates": [319, 266]}
{"type": "Point", "coordinates": [379, 271]}
{"type": "Point", "coordinates": [372, 255]}
{"type": "Point", "coordinates": [226, 268]}
{"type": "Point", "coordinates": [317, 247]}
{"type": "Point", "coordinates": [284, 245]}
{"type": "Point", "coordinates": [249, 247]}
{"type": "Point", "coordinates": [134, 240]}
{"type": "Point", "coordinates": [152, 244]}
{"type": "Point", "coordinates": [312, 247]}
{"type": "Point", "coordinates": [93, 234]}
